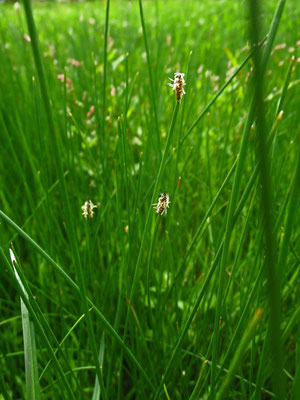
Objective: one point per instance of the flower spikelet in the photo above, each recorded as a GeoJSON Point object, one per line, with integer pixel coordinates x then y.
{"type": "Point", "coordinates": [87, 209]}
{"type": "Point", "coordinates": [178, 84]}
{"type": "Point", "coordinates": [163, 204]}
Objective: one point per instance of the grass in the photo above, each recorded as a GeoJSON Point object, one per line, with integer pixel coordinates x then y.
{"type": "Point", "coordinates": [200, 303]}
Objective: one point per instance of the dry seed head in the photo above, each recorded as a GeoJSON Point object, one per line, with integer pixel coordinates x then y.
{"type": "Point", "coordinates": [178, 84]}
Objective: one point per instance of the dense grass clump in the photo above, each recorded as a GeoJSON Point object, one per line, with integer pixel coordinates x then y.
{"type": "Point", "coordinates": [154, 243]}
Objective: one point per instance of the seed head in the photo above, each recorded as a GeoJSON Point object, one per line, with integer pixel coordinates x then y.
{"type": "Point", "coordinates": [87, 209]}
{"type": "Point", "coordinates": [163, 204]}
{"type": "Point", "coordinates": [178, 84]}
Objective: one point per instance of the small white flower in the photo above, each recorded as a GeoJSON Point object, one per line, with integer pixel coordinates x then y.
{"type": "Point", "coordinates": [87, 209]}
{"type": "Point", "coordinates": [178, 84]}
{"type": "Point", "coordinates": [163, 204]}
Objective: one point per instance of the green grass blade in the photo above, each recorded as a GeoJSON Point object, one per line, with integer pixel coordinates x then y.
{"type": "Point", "coordinates": [105, 82]}
{"type": "Point", "coordinates": [198, 232]}
{"type": "Point", "coordinates": [75, 287]}
{"type": "Point", "coordinates": [4, 389]}
{"type": "Point", "coordinates": [30, 353]}
{"type": "Point", "coordinates": [61, 343]}
{"type": "Point", "coordinates": [97, 388]}
{"type": "Point", "coordinates": [153, 98]}
{"type": "Point", "coordinates": [220, 91]}
{"type": "Point", "coordinates": [296, 383]}
{"type": "Point", "coordinates": [64, 193]}
{"type": "Point", "coordinates": [285, 86]}
{"type": "Point", "coordinates": [266, 202]}
{"type": "Point", "coordinates": [43, 322]}
{"type": "Point", "coordinates": [234, 196]}
{"type": "Point", "coordinates": [291, 217]}
{"type": "Point", "coordinates": [38, 325]}
{"type": "Point", "coordinates": [239, 354]}
{"type": "Point", "coordinates": [150, 208]}
{"type": "Point", "coordinates": [85, 107]}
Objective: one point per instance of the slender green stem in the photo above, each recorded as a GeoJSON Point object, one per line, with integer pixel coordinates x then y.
{"type": "Point", "coordinates": [198, 232]}
{"type": "Point", "coordinates": [291, 217]}
{"type": "Point", "coordinates": [61, 343]}
{"type": "Point", "coordinates": [4, 388]}
{"type": "Point", "coordinates": [63, 187]}
{"type": "Point", "coordinates": [38, 326]}
{"type": "Point", "coordinates": [150, 214]}
{"type": "Point", "coordinates": [105, 78]}
{"type": "Point", "coordinates": [266, 203]}
{"type": "Point", "coordinates": [218, 94]}
{"type": "Point", "coordinates": [239, 353]}
{"type": "Point", "coordinates": [75, 287]}
{"type": "Point", "coordinates": [154, 194]}
{"type": "Point", "coordinates": [153, 98]}
{"type": "Point", "coordinates": [234, 197]}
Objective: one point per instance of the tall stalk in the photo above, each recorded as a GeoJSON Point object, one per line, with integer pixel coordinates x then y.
{"type": "Point", "coordinates": [235, 192]}
{"type": "Point", "coordinates": [273, 284]}
{"type": "Point", "coordinates": [62, 181]}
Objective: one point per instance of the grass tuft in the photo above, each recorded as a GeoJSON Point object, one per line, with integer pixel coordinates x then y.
{"type": "Point", "coordinates": [190, 198]}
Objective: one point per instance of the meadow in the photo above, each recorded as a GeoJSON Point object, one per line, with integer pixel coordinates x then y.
{"type": "Point", "coordinates": [149, 237]}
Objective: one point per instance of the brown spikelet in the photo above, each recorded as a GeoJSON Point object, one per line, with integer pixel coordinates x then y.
{"type": "Point", "coordinates": [178, 85]}
{"type": "Point", "coordinates": [163, 204]}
